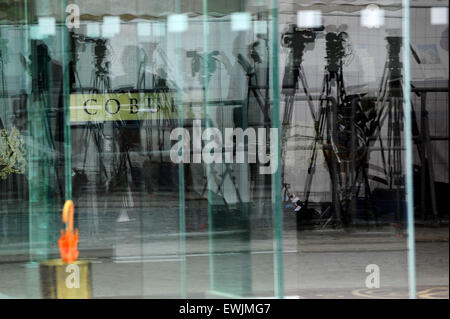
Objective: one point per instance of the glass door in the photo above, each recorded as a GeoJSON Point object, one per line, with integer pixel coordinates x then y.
{"type": "Point", "coordinates": [120, 107]}
{"type": "Point", "coordinates": [346, 145]}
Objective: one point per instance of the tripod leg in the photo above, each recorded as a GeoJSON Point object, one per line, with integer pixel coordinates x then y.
{"type": "Point", "coordinates": [430, 166]}
{"type": "Point", "coordinates": [318, 126]}
{"type": "Point", "coordinates": [261, 105]}
{"type": "Point", "coordinates": [288, 106]}
{"type": "Point", "coordinates": [306, 90]}
{"type": "Point", "coordinates": [310, 173]}
{"type": "Point", "coordinates": [228, 171]}
{"type": "Point", "coordinates": [333, 168]}
{"type": "Point", "coordinates": [379, 121]}
{"type": "Point", "coordinates": [383, 81]}
{"type": "Point", "coordinates": [415, 127]}
{"type": "Point", "coordinates": [313, 157]}
{"type": "Point", "coordinates": [421, 147]}
{"type": "Point", "coordinates": [398, 139]}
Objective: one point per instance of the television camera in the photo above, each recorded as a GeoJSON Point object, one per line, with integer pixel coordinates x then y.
{"type": "Point", "coordinates": [299, 40]}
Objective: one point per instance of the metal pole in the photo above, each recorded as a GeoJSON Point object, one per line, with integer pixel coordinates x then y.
{"type": "Point", "coordinates": [408, 153]}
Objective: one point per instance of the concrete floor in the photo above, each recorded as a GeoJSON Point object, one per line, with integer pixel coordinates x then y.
{"type": "Point", "coordinates": [335, 271]}
{"type": "Point", "coordinates": [142, 257]}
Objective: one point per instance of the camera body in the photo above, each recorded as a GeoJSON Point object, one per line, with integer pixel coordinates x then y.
{"type": "Point", "coordinates": [100, 45]}
{"type": "Point", "coordinates": [335, 49]}
{"type": "Point", "coordinates": [297, 39]}
{"type": "Point", "coordinates": [202, 62]}
{"type": "Point", "coordinates": [394, 45]}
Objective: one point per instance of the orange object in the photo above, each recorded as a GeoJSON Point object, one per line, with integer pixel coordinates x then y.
{"type": "Point", "coordinates": [68, 242]}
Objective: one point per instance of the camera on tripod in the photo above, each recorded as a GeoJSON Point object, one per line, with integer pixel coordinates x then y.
{"type": "Point", "coordinates": [297, 39]}
{"type": "Point", "coordinates": [336, 49]}
{"type": "Point", "coordinates": [202, 61]}
{"type": "Point", "coordinates": [195, 65]}
{"type": "Point", "coordinates": [393, 48]}
{"type": "Point", "coordinates": [100, 50]}
{"type": "Point", "coordinates": [394, 45]}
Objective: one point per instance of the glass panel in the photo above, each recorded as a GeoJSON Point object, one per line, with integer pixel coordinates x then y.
{"type": "Point", "coordinates": [242, 185]}
{"type": "Point", "coordinates": [343, 144]}
{"type": "Point", "coordinates": [34, 127]}
{"type": "Point", "coordinates": [93, 97]}
{"type": "Point", "coordinates": [259, 148]}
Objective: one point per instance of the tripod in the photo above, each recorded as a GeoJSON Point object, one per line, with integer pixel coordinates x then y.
{"type": "Point", "coordinates": [100, 83]}
{"type": "Point", "coordinates": [252, 84]}
{"type": "Point", "coordinates": [220, 184]}
{"type": "Point", "coordinates": [344, 127]}
{"type": "Point", "coordinates": [296, 40]}
{"type": "Point", "coordinates": [165, 101]}
{"type": "Point", "coordinates": [228, 172]}
{"type": "Point", "coordinates": [390, 97]}
{"type": "Point", "coordinates": [390, 101]}
{"type": "Point", "coordinates": [204, 65]}
{"type": "Point", "coordinates": [293, 76]}
{"type": "Point", "coordinates": [92, 131]}
{"type": "Point", "coordinates": [262, 99]}
{"type": "Point", "coordinates": [326, 127]}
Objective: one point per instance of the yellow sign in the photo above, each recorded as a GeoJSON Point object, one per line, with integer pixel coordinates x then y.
{"type": "Point", "coordinates": [127, 107]}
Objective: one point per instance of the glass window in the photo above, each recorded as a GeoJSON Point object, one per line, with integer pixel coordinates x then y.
{"type": "Point", "coordinates": [258, 148]}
